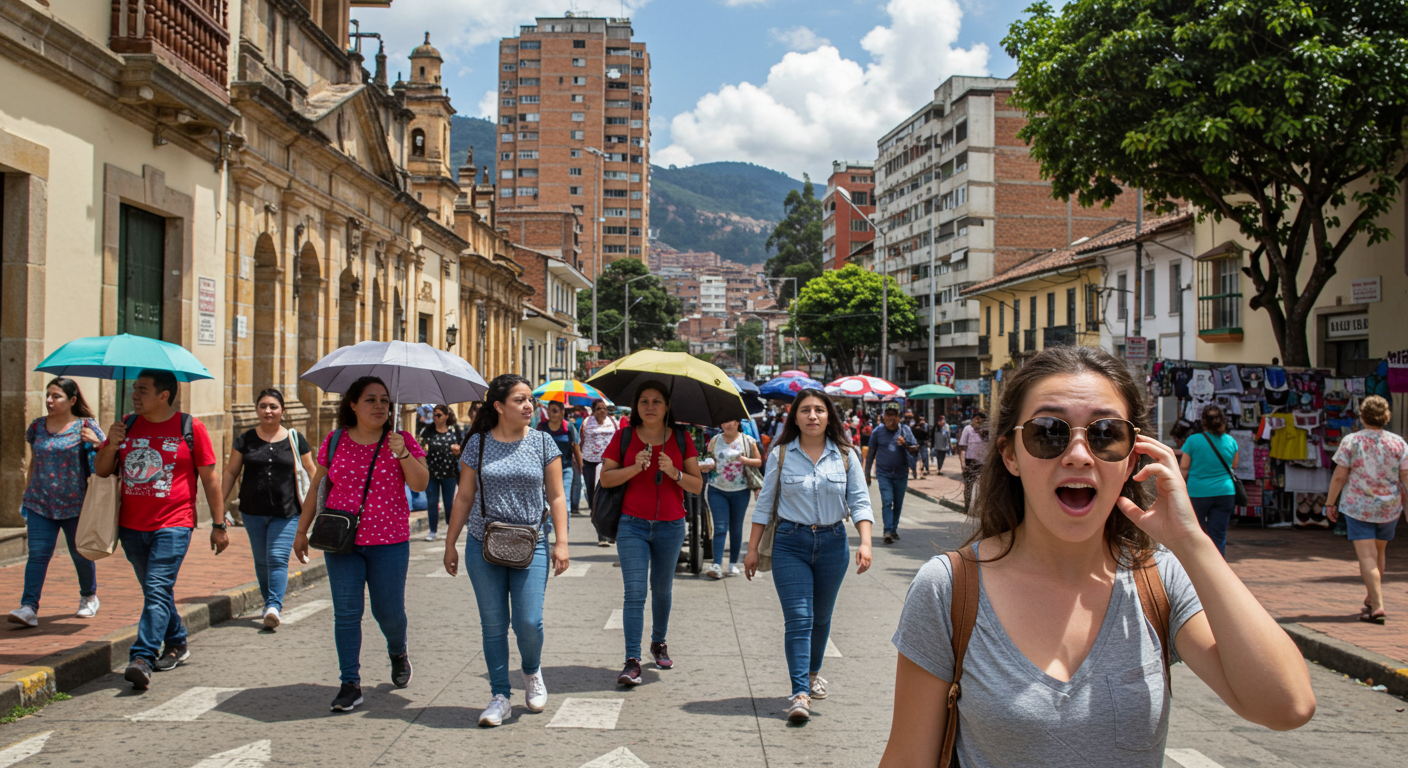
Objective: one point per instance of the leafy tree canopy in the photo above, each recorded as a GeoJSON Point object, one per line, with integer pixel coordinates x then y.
{"type": "Point", "coordinates": [840, 311]}
{"type": "Point", "coordinates": [796, 240]}
{"type": "Point", "coordinates": [654, 312]}
{"type": "Point", "coordinates": [1279, 115]}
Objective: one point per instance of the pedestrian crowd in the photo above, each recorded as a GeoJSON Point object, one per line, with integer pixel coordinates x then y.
{"type": "Point", "coordinates": [1089, 584]}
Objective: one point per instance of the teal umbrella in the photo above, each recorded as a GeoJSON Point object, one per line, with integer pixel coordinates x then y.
{"type": "Point", "coordinates": [931, 392]}
{"type": "Point", "coordinates": [122, 357]}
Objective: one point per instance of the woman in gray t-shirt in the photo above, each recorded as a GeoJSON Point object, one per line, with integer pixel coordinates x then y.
{"type": "Point", "coordinates": [518, 472]}
{"type": "Point", "coordinates": [1063, 668]}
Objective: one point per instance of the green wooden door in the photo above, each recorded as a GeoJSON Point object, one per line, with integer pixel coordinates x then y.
{"type": "Point", "coordinates": [141, 251]}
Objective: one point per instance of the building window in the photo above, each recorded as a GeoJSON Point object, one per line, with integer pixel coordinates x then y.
{"type": "Point", "coordinates": [615, 212]}
{"type": "Point", "coordinates": [575, 153]}
{"type": "Point", "coordinates": [530, 64]}
{"type": "Point", "coordinates": [1071, 307]}
{"type": "Point", "coordinates": [1016, 315]}
{"type": "Point", "coordinates": [527, 191]}
{"type": "Point", "coordinates": [505, 157]}
{"type": "Point", "coordinates": [506, 138]}
{"type": "Point", "coordinates": [1051, 309]}
{"type": "Point", "coordinates": [1220, 295]}
{"type": "Point", "coordinates": [527, 173]}
{"type": "Point", "coordinates": [1175, 288]}
{"type": "Point", "coordinates": [506, 173]}
{"type": "Point", "coordinates": [614, 175]}
{"type": "Point", "coordinates": [613, 230]}
{"type": "Point", "coordinates": [510, 67]}
{"type": "Point", "coordinates": [528, 81]}
{"type": "Point", "coordinates": [506, 192]}
{"type": "Point", "coordinates": [987, 316]}
{"type": "Point", "coordinates": [637, 123]}
{"type": "Point", "coordinates": [635, 213]}
{"type": "Point", "coordinates": [1149, 292]}
{"type": "Point", "coordinates": [613, 249]}
{"type": "Point", "coordinates": [1122, 288]}
{"type": "Point", "coordinates": [579, 43]}
{"type": "Point", "coordinates": [616, 121]}
{"type": "Point", "coordinates": [574, 190]}
{"type": "Point", "coordinates": [579, 117]}
{"type": "Point", "coordinates": [527, 154]}
{"type": "Point", "coordinates": [1031, 323]}
{"type": "Point", "coordinates": [526, 100]}
{"type": "Point", "coordinates": [574, 171]}
{"type": "Point", "coordinates": [1092, 308]}
{"type": "Point", "coordinates": [530, 45]}
{"type": "Point", "coordinates": [529, 117]}
{"type": "Point", "coordinates": [579, 81]}
{"type": "Point", "coordinates": [635, 231]}
{"type": "Point", "coordinates": [528, 136]}
{"type": "Point", "coordinates": [579, 98]}
{"type": "Point", "coordinates": [579, 62]}
{"type": "Point", "coordinates": [507, 102]}
{"type": "Point", "coordinates": [1001, 319]}
{"type": "Point", "coordinates": [579, 135]}
{"type": "Point", "coordinates": [621, 193]}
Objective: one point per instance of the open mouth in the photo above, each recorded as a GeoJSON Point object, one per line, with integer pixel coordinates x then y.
{"type": "Point", "coordinates": [1076, 497]}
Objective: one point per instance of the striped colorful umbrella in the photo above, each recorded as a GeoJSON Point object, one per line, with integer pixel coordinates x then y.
{"type": "Point", "coordinates": [569, 392]}
{"type": "Point", "coordinates": [861, 386]}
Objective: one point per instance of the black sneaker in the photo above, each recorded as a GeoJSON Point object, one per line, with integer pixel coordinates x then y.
{"type": "Point", "coordinates": [662, 655]}
{"type": "Point", "coordinates": [172, 657]}
{"type": "Point", "coordinates": [139, 673]}
{"type": "Point", "coordinates": [631, 674]}
{"type": "Point", "coordinates": [348, 697]}
{"type": "Point", "coordinates": [889, 538]}
{"type": "Point", "coordinates": [401, 670]}
{"type": "Point", "coordinates": [895, 534]}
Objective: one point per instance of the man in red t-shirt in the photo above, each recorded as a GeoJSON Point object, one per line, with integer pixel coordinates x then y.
{"type": "Point", "coordinates": [159, 452]}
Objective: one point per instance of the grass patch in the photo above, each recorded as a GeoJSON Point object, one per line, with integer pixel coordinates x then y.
{"type": "Point", "coordinates": [16, 713]}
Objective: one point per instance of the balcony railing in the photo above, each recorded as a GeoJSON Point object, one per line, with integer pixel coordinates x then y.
{"type": "Point", "coordinates": [192, 32]}
{"type": "Point", "coordinates": [1029, 340]}
{"type": "Point", "coordinates": [983, 348]}
{"type": "Point", "coordinates": [1058, 336]}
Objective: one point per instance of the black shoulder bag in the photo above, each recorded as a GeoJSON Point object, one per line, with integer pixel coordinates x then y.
{"type": "Point", "coordinates": [606, 506]}
{"type": "Point", "coordinates": [508, 544]}
{"type": "Point", "coordinates": [1238, 490]}
{"type": "Point", "coordinates": [335, 530]}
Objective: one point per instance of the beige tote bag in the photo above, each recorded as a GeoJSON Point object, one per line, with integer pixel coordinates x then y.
{"type": "Point", "coordinates": [97, 523]}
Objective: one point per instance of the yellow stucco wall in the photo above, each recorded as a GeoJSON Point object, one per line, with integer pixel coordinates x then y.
{"type": "Point", "coordinates": [999, 301]}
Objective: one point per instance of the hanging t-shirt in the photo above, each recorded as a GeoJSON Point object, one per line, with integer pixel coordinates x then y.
{"type": "Point", "coordinates": [1289, 443]}
{"type": "Point", "coordinates": [159, 474]}
{"type": "Point", "coordinates": [386, 519]}
{"type": "Point", "coordinates": [1374, 459]}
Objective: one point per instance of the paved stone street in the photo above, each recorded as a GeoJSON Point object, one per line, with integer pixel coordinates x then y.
{"type": "Point", "coordinates": [249, 697]}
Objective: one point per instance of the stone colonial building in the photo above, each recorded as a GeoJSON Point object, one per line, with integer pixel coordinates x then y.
{"type": "Point", "coordinates": [343, 223]}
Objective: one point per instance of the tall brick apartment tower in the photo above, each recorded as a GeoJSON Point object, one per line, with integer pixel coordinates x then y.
{"type": "Point", "coordinates": [574, 130]}
{"type": "Point", "coordinates": [845, 222]}
{"type": "Point", "coordinates": [954, 177]}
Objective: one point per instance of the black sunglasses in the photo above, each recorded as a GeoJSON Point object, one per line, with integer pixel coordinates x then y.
{"type": "Point", "coordinates": [1047, 437]}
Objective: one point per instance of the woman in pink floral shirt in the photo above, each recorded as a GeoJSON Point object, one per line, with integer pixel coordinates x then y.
{"type": "Point", "coordinates": [1371, 468]}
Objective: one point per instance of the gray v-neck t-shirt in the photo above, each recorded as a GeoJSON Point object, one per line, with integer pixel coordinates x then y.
{"type": "Point", "coordinates": [1112, 712]}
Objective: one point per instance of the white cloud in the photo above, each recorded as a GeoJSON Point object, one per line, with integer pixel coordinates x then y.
{"type": "Point", "coordinates": [799, 38]}
{"type": "Point", "coordinates": [489, 106]}
{"type": "Point", "coordinates": [817, 106]}
{"type": "Point", "coordinates": [736, 3]}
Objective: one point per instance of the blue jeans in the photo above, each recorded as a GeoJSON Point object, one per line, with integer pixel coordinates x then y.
{"type": "Point", "coordinates": [43, 538]}
{"type": "Point", "coordinates": [573, 489]}
{"type": "Point", "coordinates": [380, 571]}
{"type": "Point", "coordinates": [923, 459]}
{"type": "Point", "coordinates": [270, 540]}
{"type": "Point", "coordinates": [508, 595]}
{"type": "Point", "coordinates": [434, 492]}
{"type": "Point", "coordinates": [649, 551]}
{"type": "Point", "coordinates": [569, 477]}
{"type": "Point", "coordinates": [1214, 513]}
{"type": "Point", "coordinates": [891, 500]}
{"type": "Point", "coordinates": [729, 509]}
{"type": "Point", "coordinates": [156, 558]}
{"type": "Point", "coordinates": [807, 569]}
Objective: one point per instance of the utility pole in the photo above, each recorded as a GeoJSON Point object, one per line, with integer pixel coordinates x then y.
{"type": "Point", "coordinates": [597, 220]}
{"type": "Point", "coordinates": [884, 318]}
{"type": "Point", "coordinates": [933, 308]}
{"type": "Point", "coordinates": [626, 346]}
{"type": "Point", "coordinates": [1138, 266]}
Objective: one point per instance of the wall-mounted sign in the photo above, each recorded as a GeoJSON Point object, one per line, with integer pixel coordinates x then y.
{"type": "Point", "coordinates": [943, 374]}
{"type": "Point", "coordinates": [1366, 290]}
{"type": "Point", "coordinates": [1343, 326]}
{"type": "Point", "coordinates": [1136, 349]}
{"type": "Point", "coordinates": [966, 386]}
{"type": "Point", "coordinates": [241, 326]}
{"type": "Point", "coordinates": [205, 306]}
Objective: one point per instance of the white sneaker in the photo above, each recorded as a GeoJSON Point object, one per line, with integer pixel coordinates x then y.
{"type": "Point", "coordinates": [537, 691]}
{"type": "Point", "coordinates": [734, 570]}
{"type": "Point", "coordinates": [87, 607]}
{"type": "Point", "coordinates": [818, 685]}
{"type": "Point", "coordinates": [24, 615]}
{"type": "Point", "coordinates": [271, 617]}
{"type": "Point", "coordinates": [495, 713]}
{"type": "Point", "coordinates": [430, 536]}
{"type": "Point", "coordinates": [715, 571]}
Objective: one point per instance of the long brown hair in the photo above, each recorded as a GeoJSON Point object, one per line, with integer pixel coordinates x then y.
{"type": "Point", "coordinates": [835, 429]}
{"type": "Point", "coordinates": [1001, 503]}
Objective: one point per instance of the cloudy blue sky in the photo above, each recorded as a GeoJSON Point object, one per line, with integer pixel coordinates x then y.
{"type": "Point", "coordinates": [789, 84]}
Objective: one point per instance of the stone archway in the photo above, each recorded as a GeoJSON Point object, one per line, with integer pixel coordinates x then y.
{"type": "Point", "coordinates": [267, 351]}
{"type": "Point", "coordinates": [348, 294]}
{"type": "Point", "coordinates": [308, 293]}
{"type": "Point", "coordinates": [378, 310]}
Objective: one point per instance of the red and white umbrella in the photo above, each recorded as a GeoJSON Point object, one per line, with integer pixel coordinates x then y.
{"type": "Point", "coordinates": [863, 386]}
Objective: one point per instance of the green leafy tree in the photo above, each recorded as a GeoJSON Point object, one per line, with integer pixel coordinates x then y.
{"type": "Point", "coordinates": [654, 312]}
{"type": "Point", "coordinates": [840, 312]}
{"type": "Point", "coordinates": [747, 348]}
{"type": "Point", "coordinates": [1286, 117]}
{"type": "Point", "coordinates": [796, 240]}
{"type": "Point", "coordinates": [675, 345]}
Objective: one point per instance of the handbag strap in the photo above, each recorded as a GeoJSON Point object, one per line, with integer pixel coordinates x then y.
{"type": "Point", "coordinates": [963, 615]}
{"type": "Point", "coordinates": [83, 462]}
{"type": "Point", "coordinates": [480, 474]}
{"type": "Point", "coordinates": [776, 497]}
{"type": "Point", "coordinates": [1218, 454]}
{"type": "Point", "coordinates": [371, 470]}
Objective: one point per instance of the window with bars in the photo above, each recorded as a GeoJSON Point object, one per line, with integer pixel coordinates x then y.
{"type": "Point", "coordinates": [1122, 289]}
{"type": "Point", "coordinates": [1051, 309]}
{"type": "Point", "coordinates": [1149, 292]}
{"type": "Point", "coordinates": [1220, 296]}
{"type": "Point", "coordinates": [1032, 321]}
{"type": "Point", "coordinates": [1092, 308]}
{"type": "Point", "coordinates": [1175, 285]}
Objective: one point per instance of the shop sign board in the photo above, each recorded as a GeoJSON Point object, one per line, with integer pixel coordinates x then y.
{"type": "Point", "coordinates": [1366, 290]}
{"type": "Point", "coordinates": [1136, 349]}
{"type": "Point", "coordinates": [943, 374]}
{"type": "Point", "coordinates": [966, 386]}
{"type": "Point", "coordinates": [205, 307]}
{"type": "Point", "coordinates": [1344, 326]}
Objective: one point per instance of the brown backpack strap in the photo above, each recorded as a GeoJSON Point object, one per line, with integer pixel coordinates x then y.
{"type": "Point", "coordinates": [1154, 600]}
{"type": "Point", "coordinates": [963, 615]}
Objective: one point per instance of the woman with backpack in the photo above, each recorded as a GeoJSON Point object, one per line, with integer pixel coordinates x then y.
{"type": "Point", "coordinates": [731, 455]}
{"type": "Point", "coordinates": [658, 463]}
{"type": "Point", "coordinates": [511, 475]}
{"type": "Point", "coordinates": [441, 439]}
{"type": "Point", "coordinates": [61, 448]}
{"type": "Point", "coordinates": [1076, 592]}
{"type": "Point", "coordinates": [814, 479]}
{"type": "Point", "coordinates": [266, 461]}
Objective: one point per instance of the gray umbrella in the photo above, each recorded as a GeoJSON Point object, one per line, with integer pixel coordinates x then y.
{"type": "Point", "coordinates": [415, 373]}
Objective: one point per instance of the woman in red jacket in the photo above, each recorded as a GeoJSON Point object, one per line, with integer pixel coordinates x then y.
{"type": "Point", "coordinates": [660, 464]}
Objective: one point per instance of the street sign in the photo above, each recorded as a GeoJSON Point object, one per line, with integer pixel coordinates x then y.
{"type": "Point", "coordinates": [943, 374]}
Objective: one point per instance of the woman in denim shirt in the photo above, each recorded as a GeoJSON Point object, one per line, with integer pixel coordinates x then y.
{"type": "Point", "coordinates": [815, 489]}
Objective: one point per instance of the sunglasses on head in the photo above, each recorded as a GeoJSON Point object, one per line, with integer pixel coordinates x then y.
{"type": "Point", "coordinates": [1047, 437]}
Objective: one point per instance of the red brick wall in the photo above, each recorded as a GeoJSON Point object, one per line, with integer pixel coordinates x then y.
{"type": "Point", "coordinates": [544, 230]}
{"type": "Point", "coordinates": [535, 273]}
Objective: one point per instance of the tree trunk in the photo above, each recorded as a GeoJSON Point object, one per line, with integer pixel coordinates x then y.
{"type": "Point", "coordinates": [1295, 342]}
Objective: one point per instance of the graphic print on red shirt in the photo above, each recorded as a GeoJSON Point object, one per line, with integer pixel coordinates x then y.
{"type": "Point", "coordinates": [158, 475]}
{"type": "Point", "coordinates": [644, 498]}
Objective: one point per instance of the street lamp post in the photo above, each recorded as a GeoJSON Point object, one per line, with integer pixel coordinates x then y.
{"type": "Point", "coordinates": [885, 289]}
{"type": "Point", "coordinates": [626, 347]}
{"type": "Point", "coordinates": [597, 220]}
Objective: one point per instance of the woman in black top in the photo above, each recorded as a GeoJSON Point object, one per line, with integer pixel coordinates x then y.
{"type": "Point", "coordinates": [441, 440]}
{"type": "Point", "coordinates": [270, 495]}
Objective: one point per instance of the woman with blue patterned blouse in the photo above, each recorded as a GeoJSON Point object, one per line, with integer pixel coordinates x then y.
{"type": "Point", "coordinates": [61, 447]}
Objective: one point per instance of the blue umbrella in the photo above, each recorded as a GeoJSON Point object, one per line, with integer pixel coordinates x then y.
{"type": "Point", "coordinates": [787, 387]}
{"type": "Point", "coordinates": [122, 357]}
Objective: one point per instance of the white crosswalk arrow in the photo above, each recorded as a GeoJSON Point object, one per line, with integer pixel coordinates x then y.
{"type": "Point", "coordinates": [186, 707]}
{"type": "Point", "coordinates": [26, 749]}
{"type": "Point", "coordinates": [252, 755]}
{"type": "Point", "coordinates": [617, 758]}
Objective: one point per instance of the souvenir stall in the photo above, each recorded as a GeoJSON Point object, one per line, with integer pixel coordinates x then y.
{"type": "Point", "coordinates": [1287, 423]}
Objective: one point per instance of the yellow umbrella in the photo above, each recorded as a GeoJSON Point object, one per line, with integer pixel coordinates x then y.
{"type": "Point", "coordinates": [700, 392]}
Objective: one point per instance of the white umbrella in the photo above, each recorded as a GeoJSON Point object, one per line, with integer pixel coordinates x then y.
{"type": "Point", "coordinates": [414, 373]}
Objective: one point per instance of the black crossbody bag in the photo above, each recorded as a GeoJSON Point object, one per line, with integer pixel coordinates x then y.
{"type": "Point", "coordinates": [335, 530]}
{"type": "Point", "coordinates": [1239, 491]}
{"type": "Point", "coordinates": [508, 544]}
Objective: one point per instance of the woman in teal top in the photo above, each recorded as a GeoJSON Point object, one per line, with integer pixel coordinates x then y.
{"type": "Point", "coordinates": [1207, 457]}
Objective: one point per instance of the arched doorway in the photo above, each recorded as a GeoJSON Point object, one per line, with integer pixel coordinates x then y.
{"type": "Point", "coordinates": [267, 282]}
{"type": "Point", "coordinates": [308, 303]}
{"type": "Point", "coordinates": [348, 286]}
{"type": "Point", "coordinates": [378, 309]}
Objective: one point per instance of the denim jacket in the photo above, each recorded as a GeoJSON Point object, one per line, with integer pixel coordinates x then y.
{"type": "Point", "coordinates": [814, 493]}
